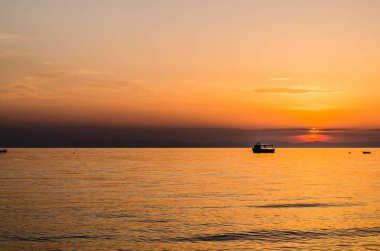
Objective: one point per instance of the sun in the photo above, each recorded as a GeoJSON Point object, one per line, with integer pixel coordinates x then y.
{"type": "Point", "coordinates": [314, 131]}
{"type": "Point", "coordinates": [314, 137]}
{"type": "Point", "coordinates": [313, 134]}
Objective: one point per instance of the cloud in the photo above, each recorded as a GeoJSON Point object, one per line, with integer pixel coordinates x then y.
{"type": "Point", "coordinates": [35, 85]}
{"type": "Point", "coordinates": [282, 79]}
{"type": "Point", "coordinates": [56, 75]}
{"type": "Point", "coordinates": [53, 84]}
{"type": "Point", "coordinates": [281, 90]}
{"type": "Point", "coordinates": [8, 36]}
{"type": "Point", "coordinates": [88, 72]}
{"type": "Point", "coordinates": [119, 86]}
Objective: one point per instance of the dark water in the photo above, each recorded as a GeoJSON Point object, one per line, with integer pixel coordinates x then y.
{"type": "Point", "coordinates": [189, 199]}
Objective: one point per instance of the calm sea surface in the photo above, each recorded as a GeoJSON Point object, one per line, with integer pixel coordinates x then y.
{"type": "Point", "coordinates": [189, 199]}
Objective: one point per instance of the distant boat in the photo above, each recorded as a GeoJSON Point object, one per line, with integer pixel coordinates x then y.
{"type": "Point", "coordinates": [3, 150]}
{"type": "Point", "coordinates": [366, 152]}
{"type": "Point", "coordinates": [262, 148]}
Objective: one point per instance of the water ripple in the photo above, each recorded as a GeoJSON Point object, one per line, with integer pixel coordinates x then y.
{"type": "Point", "coordinates": [283, 235]}
{"type": "Point", "coordinates": [263, 235]}
{"type": "Point", "coordinates": [303, 205]}
{"type": "Point", "coordinates": [115, 216]}
{"type": "Point", "coordinates": [56, 238]}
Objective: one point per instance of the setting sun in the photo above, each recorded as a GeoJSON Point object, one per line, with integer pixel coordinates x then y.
{"type": "Point", "coordinates": [314, 136]}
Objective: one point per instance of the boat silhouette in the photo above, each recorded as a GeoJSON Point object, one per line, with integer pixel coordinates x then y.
{"type": "Point", "coordinates": [263, 148]}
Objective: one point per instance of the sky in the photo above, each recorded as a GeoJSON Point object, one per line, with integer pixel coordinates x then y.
{"type": "Point", "coordinates": [243, 64]}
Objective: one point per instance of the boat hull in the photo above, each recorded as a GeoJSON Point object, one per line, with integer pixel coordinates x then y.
{"type": "Point", "coordinates": [262, 150]}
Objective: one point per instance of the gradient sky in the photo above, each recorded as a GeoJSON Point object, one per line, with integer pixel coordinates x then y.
{"type": "Point", "coordinates": [188, 63]}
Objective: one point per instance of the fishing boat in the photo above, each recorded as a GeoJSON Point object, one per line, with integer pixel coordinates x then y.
{"type": "Point", "coordinates": [366, 152]}
{"type": "Point", "coordinates": [3, 150]}
{"type": "Point", "coordinates": [263, 148]}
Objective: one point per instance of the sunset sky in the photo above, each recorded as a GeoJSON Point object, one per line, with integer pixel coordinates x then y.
{"type": "Point", "coordinates": [245, 64]}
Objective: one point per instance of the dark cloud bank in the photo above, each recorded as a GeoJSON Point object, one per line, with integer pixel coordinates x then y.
{"type": "Point", "coordinates": [108, 136]}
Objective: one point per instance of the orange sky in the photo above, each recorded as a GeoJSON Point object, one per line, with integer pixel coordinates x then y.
{"type": "Point", "coordinates": [240, 64]}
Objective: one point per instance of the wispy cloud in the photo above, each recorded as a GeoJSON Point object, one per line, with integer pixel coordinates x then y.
{"type": "Point", "coordinates": [8, 36]}
{"type": "Point", "coordinates": [282, 79]}
{"type": "Point", "coordinates": [88, 72]}
{"type": "Point", "coordinates": [53, 84]}
{"type": "Point", "coordinates": [287, 90]}
{"type": "Point", "coordinates": [120, 86]}
{"type": "Point", "coordinates": [56, 75]}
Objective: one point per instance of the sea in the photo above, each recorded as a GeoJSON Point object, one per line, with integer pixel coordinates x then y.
{"type": "Point", "coordinates": [189, 199]}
